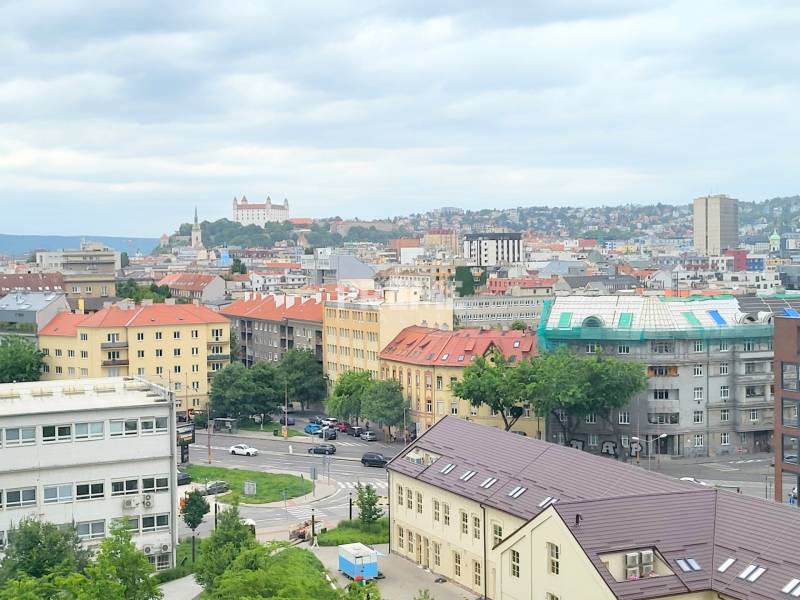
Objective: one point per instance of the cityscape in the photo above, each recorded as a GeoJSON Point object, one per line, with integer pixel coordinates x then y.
{"type": "Point", "coordinates": [300, 378]}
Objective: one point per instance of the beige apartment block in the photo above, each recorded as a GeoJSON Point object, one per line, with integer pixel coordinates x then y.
{"type": "Point", "coordinates": [179, 346]}
{"type": "Point", "coordinates": [716, 224]}
{"type": "Point", "coordinates": [355, 331]}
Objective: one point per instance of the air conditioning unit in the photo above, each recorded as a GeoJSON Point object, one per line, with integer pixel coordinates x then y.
{"type": "Point", "coordinates": [147, 549]}
{"type": "Point", "coordinates": [129, 503]}
{"type": "Point", "coordinates": [632, 573]}
{"type": "Point", "coordinates": [147, 500]}
{"type": "Point", "coordinates": [647, 557]}
{"type": "Point", "coordinates": [632, 559]}
{"type": "Point", "coordinates": [647, 571]}
{"type": "Point", "coordinates": [165, 547]}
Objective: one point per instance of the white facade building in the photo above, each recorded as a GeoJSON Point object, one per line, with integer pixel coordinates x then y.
{"type": "Point", "coordinates": [247, 213]}
{"type": "Point", "coordinates": [491, 249]}
{"type": "Point", "coordinates": [87, 452]}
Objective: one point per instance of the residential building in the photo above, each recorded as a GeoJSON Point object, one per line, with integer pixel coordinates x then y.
{"type": "Point", "coordinates": [515, 518]}
{"type": "Point", "coordinates": [597, 284]}
{"type": "Point", "coordinates": [249, 213]}
{"type": "Point", "coordinates": [427, 361]}
{"type": "Point", "coordinates": [267, 326]}
{"type": "Point", "coordinates": [787, 402]}
{"type": "Point", "coordinates": [31, 282]}
{"type": "Point", "coordinates": [441, 241]}
{"type": "Point", "coordinates": [88, 273]}
{"type": "Point", "coordinates": [492, 249]}
{"type": "Point", "coordinates": [26, 313]}
{"type": "Point", "coordinates": [194, 286]}
{"type": "Point", "coordinates": [504, 285]}
{"type": "Point", "coordinates": [501, 311]}
{"type": "Point", "coordinates": [179, 346]}
{"type": "Point", "coordinates": [708, 361]}
{"type": "Point", "coordinates": [327, 266]}
{"type": "Point", "coordinates": [716, 224]}
{"type": "Point", "coordinates": [355, 330]}
{"type": "Point", "coordinates": [84, 453]}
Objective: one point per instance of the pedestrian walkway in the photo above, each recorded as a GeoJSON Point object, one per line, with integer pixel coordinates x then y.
{"type": "Point", "coordinates": [185, 588]}
{"type": "Point", "coordinates": [351, 485]}
{"type": "Point", "coordinates": [303, 513]}
{"type": "Point", "coordinates": [362, 444]}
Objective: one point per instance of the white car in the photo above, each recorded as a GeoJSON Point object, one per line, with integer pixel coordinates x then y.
{"type": "Point", "coordinates": [243, 450]}
{"type": "Point", "coordinates": [695, 480]}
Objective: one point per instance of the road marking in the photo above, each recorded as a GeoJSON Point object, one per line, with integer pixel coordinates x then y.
{"type": "Point", "coordinates": [351, 444]}
{"type": "Point", "coordinates": [719, 467]}
{"type": "Point", "coordinates": [351, 485]}
{"type": "Point", "coordinates": [304, 512]}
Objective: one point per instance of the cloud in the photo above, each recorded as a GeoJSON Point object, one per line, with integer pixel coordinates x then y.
{"type": "Point", "coordinates": [372, 109]}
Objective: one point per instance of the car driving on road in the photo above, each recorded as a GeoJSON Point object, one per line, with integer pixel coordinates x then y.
{"type": "Point", "coordinates": [369, 436]}
{"type": "Point", "coordinates": [243, 450]}
{"type": "Point", "coordinates": [373, 459]}
{"type": "Point", "coordinates": [322, 449]}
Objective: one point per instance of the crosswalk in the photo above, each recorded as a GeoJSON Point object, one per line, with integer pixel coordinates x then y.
{"type": "Point", "coordinates": [351, 444]}
{"type": "Point", "coordinates": [351, 485]}
{"type": "Point", "coordinates": [303, 513]}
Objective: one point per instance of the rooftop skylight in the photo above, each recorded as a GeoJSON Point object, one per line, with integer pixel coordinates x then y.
{"type": "Point", "coordinates": [792, 587]}
{"type": "Point", "coordinates": [752, 572]}
{"type": "Point", "coordinates": [489, 482]}
{"type": "Point", "coordinates": [688, 565]}
{"type": "Point", "coordinates": [724, 566]}
{"type": "Point", "coordinates": [447, 468]}
{"type": "Point", "coordinates": [467, 475]}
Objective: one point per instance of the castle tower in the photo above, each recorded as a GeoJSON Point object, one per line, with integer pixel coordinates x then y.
{"type": "Point", "coordinates": [197, 234]}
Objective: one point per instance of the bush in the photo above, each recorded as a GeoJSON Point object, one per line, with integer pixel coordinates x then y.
{"type": "Point", "coordinates": [183, 563]}
{"type": "Point", "coordinates": [349, 532]}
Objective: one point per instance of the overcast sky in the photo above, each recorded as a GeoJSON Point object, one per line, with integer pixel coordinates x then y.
{"type": "Point", "coordinates": [119, 117]}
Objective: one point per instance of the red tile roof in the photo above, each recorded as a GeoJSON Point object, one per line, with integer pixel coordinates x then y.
{"type": "Point", "coordinates": [266, 309]}
{"type": "Point", "coordinates": [63, 324]}
{"type": "Point", "coordinates": [31, 282]}
{"type": "Point", "coordinates": [195, 282]}
{"type": "Point", "coordinates": [139, 316]}
{"type": "Point", "coordinates": [427, 346]}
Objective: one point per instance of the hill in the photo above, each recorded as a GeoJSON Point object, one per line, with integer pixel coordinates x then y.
{"type": "Point", "coordinates": [22, 245]}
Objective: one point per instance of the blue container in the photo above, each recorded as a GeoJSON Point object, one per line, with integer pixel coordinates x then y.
{"type": "Point", "coordinates": [357, 560]}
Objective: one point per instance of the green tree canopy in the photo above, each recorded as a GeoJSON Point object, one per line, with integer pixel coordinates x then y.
{"type": "Point", "coordinates": [383, 403]}
{"type": "Point", "coordinates": [193, 508]}
{"type": "Point", "coordinates": [37, 548]}
{"type": "Point", "coordinates": [237, 266]}
{"type": "Point", "coordinates": [19, 360]}
{"type": "Point", "coordinates": [218, 551]}
{"type": "Point", "coordinates": [303, 376]}
{"type": "Point", "coordinates": [267, 385]}
{"type": "Point", "coordinates": [367, 502]}
{"type": "Point", "coordinates": [233, 393]}
{"type": "Point", "coordinates": [348, 394]}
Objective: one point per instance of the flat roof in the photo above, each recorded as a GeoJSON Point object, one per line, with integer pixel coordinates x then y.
{"type": "Point", "coordinates": [69, 395]}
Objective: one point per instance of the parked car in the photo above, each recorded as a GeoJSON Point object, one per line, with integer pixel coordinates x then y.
{"type": "Point", "coordinates": [317, 420]}
{"type": "Point", "coordinates": [312, 428]}
{"type": "Point", "coordinates": [184, 478]}
{"type": "Point", "coordinates": [327, 433]}
{"type": "Point", "coordinates": [373, 459]}
{"type": "Point", "coordinates": [695, 480]}
{"type": "Point", "coordinates": [789, 458]}
{"type": "Point", "coordinates": [243, 450]}
{"type": "Point", "coordinates": [288, 420]}
{"type": "Point", "coordinates": [329, 421]}
{"type": "Point", "coordinates": [369, 436]}
{"type": "Point", "coordinates": [355, 431]}
{"type": "Point", "coordinates": [322, 449]}
{"type": "Point", "coordinates": [342, 427]}
{"type": "Point", "coordinates": [213, 488]}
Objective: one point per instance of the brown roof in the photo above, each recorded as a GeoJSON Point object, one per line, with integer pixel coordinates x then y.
{"type": "Point", "coordinates": [31, 282]}
{"type": "Point", "coordinates": [195, 282]}
{"type": "Point", "coordinates": [622, 507]}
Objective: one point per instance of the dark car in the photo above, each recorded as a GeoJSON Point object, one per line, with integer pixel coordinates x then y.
{"type": "Point", "coordinates": [288, 420]}
{"type": "Point", "coordinates": [322, 449]}
{"type": "Point", "coordinates": [317, 420]}
{"type": "Point", "coordinates": [355, 431]}
{"type": "Point", "coordinates": [184, 478]}
{"type": "Point", "coordinates": [214, 487]}
{"type": "Point", "coordinates": [373, 459]}
{"type": "Point", "coordinates": [327, 433]}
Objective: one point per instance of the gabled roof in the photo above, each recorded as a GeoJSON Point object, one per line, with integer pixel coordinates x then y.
{"type": "Point", "coordinates": [31, 282]}
{"type": "Point", "coordinates": [266, 308]}
{"type": "Point", "coordinates": [63, 324]}
{"type": "Point", "coordinates": [153, 315]}
{"type": "Point", "coordinates": [195, 282]}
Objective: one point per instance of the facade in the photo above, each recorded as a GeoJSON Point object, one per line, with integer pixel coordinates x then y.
{"type": "Point", "coordinates": [87, 452]}
{"type": "Point", "coordinates": [492, 249]}
{"type": "Point", "coordinates": [248, 213]}
{"type": "Point", "coordinates": [708, 363]}
{"type": "Point", "coordinates": [787, 403]}
{"type": "Point", "coordinates": [355, 331]}
{"type": "Point", "coordinates": [179, 346]}
{"type": "Point", "coordinates": [194, 286]}
{"type": "Point", "coordinates": [501, 311]}
{"type": "Point", "coordinates": [716, 224]}
{"type": "Point", "coordinates": [90, 257]}
{"type": "Point", "coordinates": [515, 518]}
{"type": "Point", "coordinates": [266, 327]}
{"type": "Point", "coordinates": [426, 362]}
{"type": "Point", "coordinates": [441, 241]}
{"type": "Point", "coordinates": [26, 313]}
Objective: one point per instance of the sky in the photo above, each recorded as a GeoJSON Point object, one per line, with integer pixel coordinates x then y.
{"type": "Point", "coordinates": [119, 117]}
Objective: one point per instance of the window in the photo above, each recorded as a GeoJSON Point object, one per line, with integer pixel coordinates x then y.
{"type": "Point", "coordinates": [159, 335]}
{"type": "Point", "coordinates": [159, 370]}
{"type": "Point", "coordinates": [148, 425]}
{"type": "Point", "coordinates": [155, 523]}
{"type": "Point", "coordinates": [58, 352]}
{"type": "Point", "coordinates": [84, 337]}
{"type": "Point", "coordinates": [514, 563]}
{"type": "Point", "coordinates": [456, 564]}
{"type": "Point", "coordinates": [401, 541]}
{"type": "Point", "coordinates": [195, 351]}
{"type": "Point", "coordinates": [124, 487]}
{"type": "Point", "coordinates": [140, 337]}
{"type": "Point", "coordinates": [409, 498]}
{"type": "Point", "coordinates": [725, 415]}
{"type": "Point", "coordinates": [476, 573]}
{"type": "Point", "coordinates": [497, 534]}
{"type": "Point", "coordinates": [662, 347]}
{"type": "Point", "coordinates": [89, 491]}
{"type": "Point", "coordinates": [176, 369]}
{"type": "Point", "coordinates": [176, 335]}
{"type": "Point", "coordinates": [400, 495]}
{"type": "Point", "coordinates": [591, 418]}
{"type": "Point", "coordinates": [698, 345]}
{"type": "Point", "coordinates": [699, 441]}
{"type": "Point", "coordinates": [660, 394]}
{"type": "Point", "coordinates": [754, 414]}
{"type": "Point", "coordinates": [464, 523]}
{"type": "Point", "coordinates": [91, 530]}
{"type": "Point", "coordinates": [476, 527]}
{"type": "Point", "coordinates": [439, 382]}
{"type": "Point", "coordinates": [725, 439]}
{"type": "Point", "coordinates": [724, 392]}
{"type": "Point", "coordinates": [436, 510]}
{"type": "Point", "coordinates": [176, 352]}
{"type": "Point", "coordinates": [592, 440]}
{"type": "Point", "coordinates": [697, 416]}
{"type": "Point", "coordinates": [623, 349]}
{"type": "Point", "coordinates": [473, 411]}
{"type": "Point", "coordinates": [698, 370]}
{"type": "Point", "coordinates": [723, 368]}
{"type": "Point", "coordinates": [454, 407]}
{"type": "Point", "coordinates": [56, 433]}
{"type": "Point", "coordinates": [592, 348]}
{"type": "Point", "coordinates": [410, 540]}
{"type": "Point", "coordinates": [550, 596]}
{"type": "Point", "coordinates": [155, 484]}
{"type": "Point", "coordinates": [419, 502]}
{"type": "Point", "coordinates": [749, 346]}
{"type": "Point", "coordinates": [624, 417]}
{"type": "Point", "coordinates": [55, 494]}
{"type": "Point", "coordinates": [21, 497]}
{"type": "Point", "coordinates": [753, 391]}
{"type": "Point", "coordinates": [195, 333]}
{"type": "Point", "coordinates": [59, 370]}
{"type": "Point", "coordinates": [446, 513]}
{"type": "Point", "coordinates": [159, 353]}
{"type": "Point", "coordinates": [698, 393]}
{"type": "Point", "coordinates": [723, 345]}
{"type": "Point", "coordinates": [437, 554]}
{"type": "Point", "coordinates": [85, 372]}
{"type": "Point", "coordinates": [553, 554]}
{"type": "Point", "coordinates": [20, 436]}
{"type": "Point", "coordinates": [89, 431]}
{"type": "Point", "coordinates": [84, 354]}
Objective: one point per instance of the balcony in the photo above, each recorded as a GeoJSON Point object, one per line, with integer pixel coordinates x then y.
{"type": "Point", "coordinates": [763, 377]}
{"type": "Point", "coordinates": [113, 345]}
{"type": "Point", "coordinates": [217, 339]}
{"type": "Point", "coordinates": [217, 357]}
{"type": "Point", "coordinates": [755, 354]}
{"type": "Point", "coordinates": [117, 362]}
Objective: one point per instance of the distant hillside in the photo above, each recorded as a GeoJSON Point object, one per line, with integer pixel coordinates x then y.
{"type": "Point", "coordinates": [22, 245]}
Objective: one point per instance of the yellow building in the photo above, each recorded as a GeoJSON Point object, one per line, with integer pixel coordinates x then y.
{"type": "Point", "coordinates": [515, 518]}
{"type": "Point", "coordinates": [426, 361]}
{"type": "Point", "coordinates": [177, 345]}
{"type": "Point", "coordinates": [355, 331]}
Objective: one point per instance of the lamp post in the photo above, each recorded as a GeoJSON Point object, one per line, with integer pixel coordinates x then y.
{"type": "Point", "coordinates": [649, 446]}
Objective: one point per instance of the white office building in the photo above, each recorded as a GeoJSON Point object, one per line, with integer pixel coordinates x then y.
{"type": "Point", "coordinates": [87, 452]}
{"type": "Point", "coordinates": [492, 249]}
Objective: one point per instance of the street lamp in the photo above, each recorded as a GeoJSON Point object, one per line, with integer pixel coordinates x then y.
{"type": "Point", "coordinates": [649, 446]}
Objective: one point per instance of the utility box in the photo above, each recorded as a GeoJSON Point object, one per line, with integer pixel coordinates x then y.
{"type": "Point", "coordinates": [358, 560]}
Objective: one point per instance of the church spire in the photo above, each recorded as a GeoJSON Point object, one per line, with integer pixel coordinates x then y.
{"type": "Point", "coordinates": [195, 215]}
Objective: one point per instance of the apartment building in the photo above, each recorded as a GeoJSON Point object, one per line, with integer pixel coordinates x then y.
{"type": "Point", "coordinates": [87, 452]}
{"type": "Point", "coordinates": [441, 242]}
{"type": "Point", "coordinates": [355, 330]}
{"type": "Point", "coordinates": [267, 326]}
{"type": "Point", "coordinates": [709, 369]}
{"type": "Point", "coordinates": [787, 403]}
{"type": "Point", "coordinates": [426, 362]}
{"type": "Point", "coordinates": [88, 272]}
{"type": "Point", "coordinates": [194, 286]}
{"type": "Point", "coordinates": [515, 518]}
{"type": "Point", "coordinates": [179, 346]}
{"type": "Point", "coordinates": [492, 249]}
{"type": "Point", "coordinates": [26, 313]}
{"type": "Point", "coordinates": [501, 311]}
{"type": "Point", "coordinates": [716, 224]}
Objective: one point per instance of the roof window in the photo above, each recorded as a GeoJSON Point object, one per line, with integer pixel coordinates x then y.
{"type": "Point", "coordinates": [447, 468]}
{"type": "Point", "coordinates": [517, 492]}
{"type": "Point", "coordinates": [544, 502]}
{"type": "Point", "coordinates": [726, 565]}
{"type": "Point", "coordinates": [792, 587]}
{"type": "Point", "coordinates": [461, 358]}
{"type": "Point", "coordinates": [467, 475]}
{"type": "Point", "coordinates": [489, 482]}
{"type": "Point", "coordinates": [445, 355]}
{"type": "Point", "coordinates": [516, 343]}
{"type": "Point", "coordinates": [688, 565]}
{"type": "Point", "coordinates": [752, 572]}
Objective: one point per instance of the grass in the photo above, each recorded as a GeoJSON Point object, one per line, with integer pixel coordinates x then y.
{"type": "Point", "coordinates": [269, 486]}
{"type": "Point", "coordinates": [183, 562]}
{"type": "Point", "coordinates": [349, 532]}
{"type": "Point", "coordinates": [268, 427]}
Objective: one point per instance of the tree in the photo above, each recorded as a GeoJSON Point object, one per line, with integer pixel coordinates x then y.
{"type": "Point", "coordinates": [492, 382]}
{"type": "Point", "coordinates": [233, 392]}
{"type": "Point", "coordinates": [348, 394]}
{"type": "Point", "coordinates": [383, 402]}
{"type": "Point", "coordinates": [367, 502]}
{"type": "Point", "coordinates": [358, 591]}
{"type": "Point", "coordinates": [218, 551]}
{"type": "Point", "coordinates": [423, 595]}
{"type": "Point", "coordinates": [124, 260]}
{"type": "Point", "coordinates": [268, 388]}
{"type": "Point", "coordinates": [519, 325]}
{"type": "Point", "coordinates": [193, 508]}
{"type": "Point", "coordinates": [37, 548]}
{"type": "Point", "coordinates": [238, 266]}
{"type": "Point", "coordinates": [303, 376]}
{"type": "Point", "coordinates": [19, 360]}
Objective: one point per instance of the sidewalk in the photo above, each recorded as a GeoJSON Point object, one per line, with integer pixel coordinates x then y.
{"type": "Point", "coordinates": [185, 588]}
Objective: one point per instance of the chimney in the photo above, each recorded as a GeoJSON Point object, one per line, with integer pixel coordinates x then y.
{"type": "Point", "coordinates": [578, 519]}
